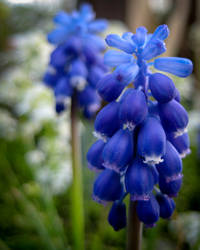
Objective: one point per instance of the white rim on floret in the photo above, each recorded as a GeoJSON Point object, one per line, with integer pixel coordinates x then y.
{"type": "Point", "coordinates": [93, 107]}
{"type": "Point", "coordinates": [94, 168]}
{"type": "Point", "coordinates": [100, 136]}
{"type": "Point", "coordinates": [63, 99]}
{"type": "Point", "coordinates": [136, 197]}
{"type": "Point", "coordinates": [78, 82]}
{"type": "Point", "coordinates": [180, 132]}
{"type": "Point", "coordinates": [97, 199]}
{"type": "Point", "coordinates": [174, 177]}
{"type": "Point", "coordinates": [51, 70]}
{"type": "Point", "coordinates": [129, 125]}
{"type": "Point", "coordinates": [152, 160]}
{"type": "Point", "coordinates": [112, 166]}
{"type": "Point", "coordinates": [185, 153]}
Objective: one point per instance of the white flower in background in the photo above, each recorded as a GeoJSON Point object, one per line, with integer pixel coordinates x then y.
{"type": "Point", "coordinates": [22, 90]}
{"type": "Point", "coordinates": [185, 86]}
{"type": "Point", "coordinates": [160, 6]}
{"type": "Point", "coordinates": [8, 125]}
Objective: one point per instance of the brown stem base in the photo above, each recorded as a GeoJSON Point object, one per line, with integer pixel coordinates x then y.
{"type": "Point", "coordinates": [134, 231]}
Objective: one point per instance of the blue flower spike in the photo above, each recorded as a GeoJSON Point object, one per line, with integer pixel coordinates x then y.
{"type": "Point", "coordinates": [143, 126]}
{"type": "Point", "coordinates": [76, 62]}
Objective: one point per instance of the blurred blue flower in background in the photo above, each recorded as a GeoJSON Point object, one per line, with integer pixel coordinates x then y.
{"type": "Point", "coordinates": [144, 127]}
{"type": "Point", "coordinates": [76, 63]}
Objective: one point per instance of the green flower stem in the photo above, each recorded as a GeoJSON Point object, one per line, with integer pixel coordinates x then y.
{"type": "Point", "coordinates": [77, 212]}
{"type": "Point", "coordinates": [134, 231]}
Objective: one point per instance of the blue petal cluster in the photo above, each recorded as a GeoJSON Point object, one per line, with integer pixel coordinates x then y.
{"type": "Point", "coordinates": [142, 131]}
{"type": "Point", "coordinates": [76, 63]}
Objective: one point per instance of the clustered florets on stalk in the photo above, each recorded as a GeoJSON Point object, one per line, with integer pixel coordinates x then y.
{"type": "Point", "coordinates": [76, 63]}
{"type": "Point", "coordinates": [141, 132]}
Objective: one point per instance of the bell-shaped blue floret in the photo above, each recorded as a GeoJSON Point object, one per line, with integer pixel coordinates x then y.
{"type": "Point", "coordinates": [161, 32]}
{"type": "Point", "coordinates": [133, 109]}
{"type": "Point", "coordinates": [58, 57]}
{"type": "Point", "coordinates": [88, 96]}
{"type": "Point", "coordinates": [62, 92]}
{"type": "Point", "coordinates": [181, 143]}
{"type": "Point", "coordinates": [140, 36]}
{"type": "Point", "coordinates": [162, 87]}
{"type": "Point", "coordinates": [167, 205]}
{"type": "Point", "coordinates": [148, 211]}
{"type": "Point", "coordinates": [63, 88]}
{"type": "Point", "coordinates": [78, 68]}
{"type": "Point", "coordinates": [107, 120]}
{"type": "Point", "coordinates": [118, 151]}
{"type": "Point", "coordinates": [60, 106]}
{"type": "Point", "coordinates": [94, 155]}
{"type": "Point", "coordinates": [153, 48]}
{"type": "Point", "coordinates": [174, 117]}
{"type": "Point", "coordinates": [151, 144]}
{"type": "Point", "coordinates": [170, 186]}
{"type": "Point", "coordinates": [178, 66]}
{"type": "Point", "coordinates": [78, 74]}
{"type": "Point", "coordinates": [73, 46]}
{"type": "Point", "coordinates": [95, 74]}
{"type": "Point", "coordinates": [177, 96]}
{"type": "Point", "coordinates": [124, 95]}
{"type": "Point", "coordinates": [139, 180]}
{"type": "Point", "coordinates": [126, 73]}
{"type": "Point", "coordinates": [172, 164]}
{"type": "Point", "coordinates": [90, 54]}
{"type": "Point", "coordinates": [114, 58]}
{"type": "Point", "coordinates": [90, 110]}
{"type": "Point", "coordinates": [117, 216]}
{"type": "Point", "coordinates": [109, 88]}
{"type": "Point", "coordinates": [116, 41]}
{"type": "Point", "coordinates": [89, 100]}
{"type": "Point", "coordinates": [107, 187]}
{"type": "Point", "coordinates": [51, 77]}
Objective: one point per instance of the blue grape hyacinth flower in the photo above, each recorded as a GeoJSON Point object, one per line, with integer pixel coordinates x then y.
{"type": "Point", "coordinates": [76, 62]}
{"type": "Point", "coordinates": [143, 127]}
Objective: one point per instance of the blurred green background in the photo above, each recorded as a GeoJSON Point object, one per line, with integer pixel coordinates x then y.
{"type": "Point", "coordinates": [35, 168]}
